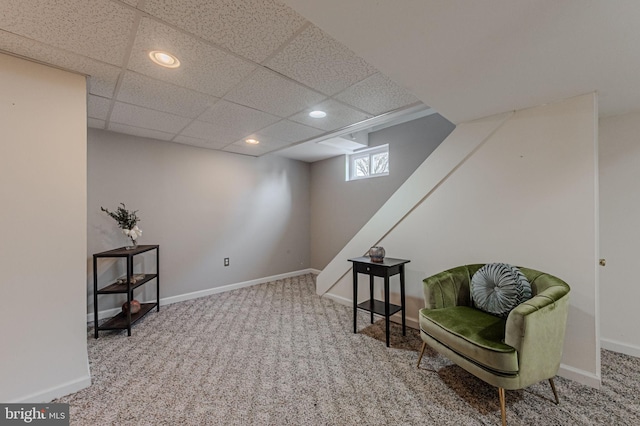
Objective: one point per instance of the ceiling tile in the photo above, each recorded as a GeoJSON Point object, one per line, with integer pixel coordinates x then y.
{"type": "Point", "coordinates": [273, 94]}
{"type": "Point", "coordinates": [287, 131]}
{"type": "Point", "coordinates": [376, 95]}
{"type": "Point", "coordinates": [102, 83]}
{"type": "Point", "coordinates": [95, 123]}
{"type": "Point", "coordinates": [139, 131]}
{"type": "Point", "coordinates": [253, 150]}
{"type": "Point", "coordinates": [235, 120]}
{"type": "Point", "coordinates": [103, 77]}
{"type": "Point", "coordinates": [203, 67]}
{"type": "Point", "coordinates": [338, 116]}
{"type": "Point", "coordinates": [250, 28]}
{"type": "Point", "coordinates": [207, 131]}
{"type": "Point", "coordinates": [133, 115]}
{"type": "Point", "coordinates": [317, 60]}
{"type": "Point", "coordinates": [186, 140]}
{"type": "Point", "coordinates": [98, 107]}
{"type": "Point", "coordinates": [141, 90]}
{"type": "Point", "coordinates": [267, 144]}
{"type": "Point", "coordinates": [99, 31]}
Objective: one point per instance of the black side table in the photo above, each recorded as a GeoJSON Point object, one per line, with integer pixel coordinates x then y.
{"type": "Point", "coordinates": [387, 268]}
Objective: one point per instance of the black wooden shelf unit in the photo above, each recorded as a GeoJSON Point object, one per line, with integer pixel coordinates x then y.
{"type": "Point", "coordinates": [124, 321]}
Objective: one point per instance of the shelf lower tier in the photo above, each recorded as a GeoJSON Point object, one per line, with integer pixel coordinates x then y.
{"type": "Point", "coordinates": [378, 307]}
{"type": "Point", "coordinates": [119, 322]}
{"type": "Point", "coordinates": [122, 288]}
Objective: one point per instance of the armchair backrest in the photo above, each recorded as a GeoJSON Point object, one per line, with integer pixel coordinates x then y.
{"type": "Point", "coordinates": [449, 288]}
{"type": "Point", "coordinates": [452, 287]}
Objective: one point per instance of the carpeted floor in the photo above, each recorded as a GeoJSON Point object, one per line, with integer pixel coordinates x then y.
{"type": "Point", "coordinates": [277, 354]}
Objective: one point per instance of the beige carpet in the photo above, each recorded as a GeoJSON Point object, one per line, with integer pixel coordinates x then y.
{"type": "Point", "coordinates": [277, 354]}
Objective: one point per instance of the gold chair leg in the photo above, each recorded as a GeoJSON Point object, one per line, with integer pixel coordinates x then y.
{"type": "Point", "coordinates": [424, 345]}
{"type": "Point", "coordinates": [503, 406]}
{"type": "Point", "coordinates": [553, 388]}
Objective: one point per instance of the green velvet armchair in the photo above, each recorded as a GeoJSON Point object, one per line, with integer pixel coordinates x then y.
{"type": "Point", "coordinates": [510, 353]}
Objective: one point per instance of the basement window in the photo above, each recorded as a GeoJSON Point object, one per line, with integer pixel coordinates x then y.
{"type": "Point", "coordinates": [368, 163]}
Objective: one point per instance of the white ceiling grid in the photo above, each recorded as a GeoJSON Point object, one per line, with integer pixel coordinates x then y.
{"type": "Point", "coordinates": [249, 68]}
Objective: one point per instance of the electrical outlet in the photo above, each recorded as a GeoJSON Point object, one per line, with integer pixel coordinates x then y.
{"type": "Point", "coordinates": [226, 261]}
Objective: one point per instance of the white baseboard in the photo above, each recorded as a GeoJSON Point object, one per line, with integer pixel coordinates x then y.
{"type": "Point", "coordinates": [623, 348]}
{"type": "Point", "coordinates": [338, 299]}
{"type": "Point", "coordinates": [581, 376]}
{"type": "Point", "coordinates": [410, 321]}
{"type": "Point", "coordinates": [108, 313]}
{"type": "Point", "coordinates": [50, 394]}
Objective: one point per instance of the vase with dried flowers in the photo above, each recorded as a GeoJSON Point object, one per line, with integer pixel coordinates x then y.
{"type": "Point", "coordinates": [128, 223]}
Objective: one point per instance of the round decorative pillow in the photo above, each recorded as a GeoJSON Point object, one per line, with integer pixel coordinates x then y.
{"type": "Point", "coordinates": [497, 288]}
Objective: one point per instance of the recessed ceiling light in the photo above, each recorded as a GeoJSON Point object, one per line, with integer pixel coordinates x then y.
{"type": "Point", "coordinates": [317, 114]}
{"type": "Point", "coordinates": [252, 141]}
{"type": "Point", "coordinates": [164, 59]}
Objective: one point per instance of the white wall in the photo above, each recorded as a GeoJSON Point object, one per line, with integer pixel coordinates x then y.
{"type": "Point", "coordinates": [43, 353]}
{"type": "Point", "coordinates": [619, 143]}
{"type": "Point", "coordinates": [200, 206]}
{"type": "Point", "coordinates": [527, 196]}
{"type": "Point", "coordinates": [409, 144]}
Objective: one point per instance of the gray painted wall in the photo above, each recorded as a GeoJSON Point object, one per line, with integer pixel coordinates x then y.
{"type": "Point", "coordinates": [201, 206]}
{"type": "Point", "coordinates": [340, 208]}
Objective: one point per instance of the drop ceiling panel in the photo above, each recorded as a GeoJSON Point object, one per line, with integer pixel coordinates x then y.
{"type": "Point", "coordinates": [139, 131]}
{"type": "Point", "coordinates": [99, 32]}
{"type": "Point", "coordinates": [338, 116]}
{"type": "Point", "coordinates": [186, 140]}
{"type": "Point", "coordinates": [311, 152]}
{"type": "Point", "coordinates": [250, 28]}
{"type": "Point", "coordinates": [268, 92]}
{"type": "Point", "coordinates": [95, 123]}
{"type": "Point", "coordinates": [376, 95]}
{"type": "Point", "coordinates": [103, 76]}
{"type": "Point", "coordinates": [102, 82]}
{"type": "Point", "coordinates": [133, 115]}
{"type": "Point", "coordinates": [141, 90]}
{"type": "Point", "coordinates": [253, 150]}
{"type": "Point", "coordinates": [221, 93]}
{"type": "Point", "coordinates": [267, 143]}
{"type": "Point", "coordinates": [320, 62]}
{"type": "Point", "coordinates": [206, 131]}
{"type": "Point", "coordinates": [98, 107]}
{"type": "Point", "coordinates": [236, 120]}
{"type": "Point", "coordinates": [203, 68]}
{"type": "Point", "coordinates": [287, 131]}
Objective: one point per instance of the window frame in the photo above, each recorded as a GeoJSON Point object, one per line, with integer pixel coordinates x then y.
{"type": "Point", "coordinates": [365, 153]}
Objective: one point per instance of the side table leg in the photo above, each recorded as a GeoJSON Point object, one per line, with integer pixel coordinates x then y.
{"type": "Point", "coordinates": [371, 296]}
{"type": "Point", "coordinates": [404, 320]}
{"type": "Point", "coordinates": [355, 300]}
{"type": "Point", "coordinates": [386, 305]}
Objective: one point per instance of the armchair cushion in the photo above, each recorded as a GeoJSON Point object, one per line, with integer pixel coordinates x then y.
{"type": "Point", "coordinates": [480, 336]}
{"type": "Point", "coordinates": [497, 288]}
